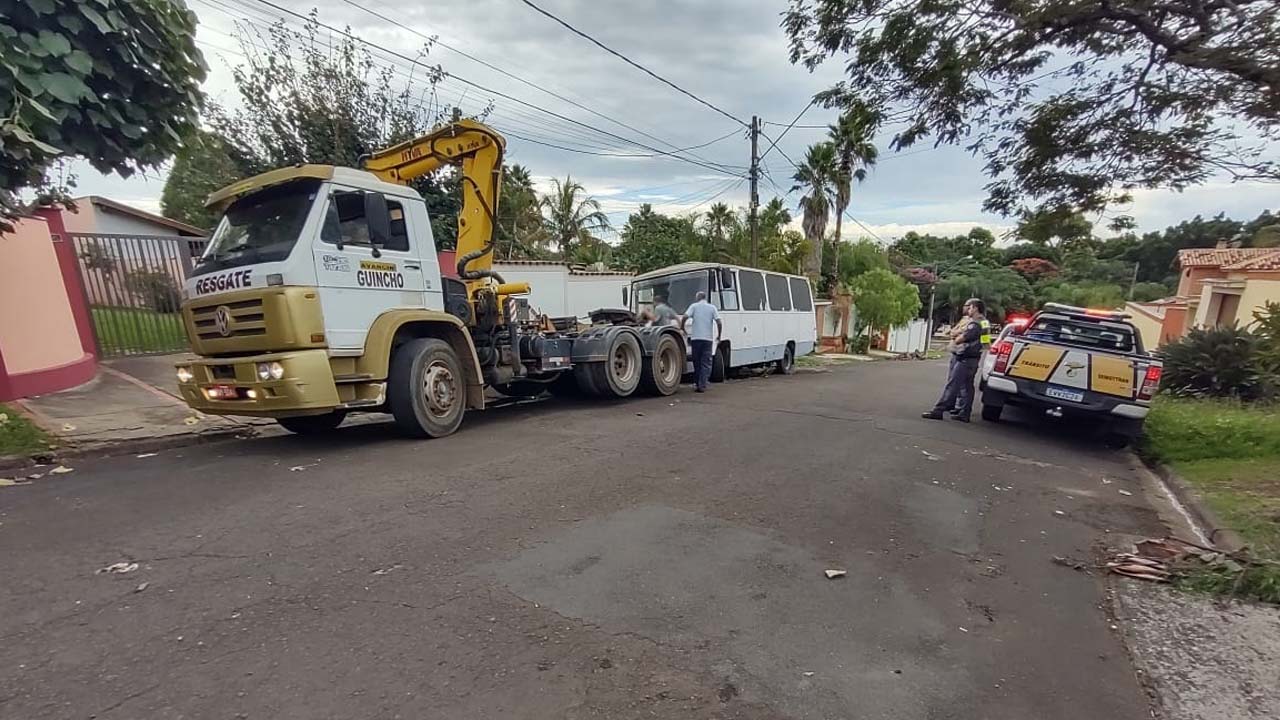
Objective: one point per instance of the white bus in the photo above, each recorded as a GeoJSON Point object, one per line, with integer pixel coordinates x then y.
{"type": "Point", "coordinates": [768, 316]}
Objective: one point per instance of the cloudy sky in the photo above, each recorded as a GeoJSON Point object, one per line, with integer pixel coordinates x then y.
{"type": "Point", "coordinates": [729, 52]}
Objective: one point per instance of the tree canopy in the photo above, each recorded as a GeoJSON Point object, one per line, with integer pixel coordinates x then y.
{"type": "Point", "coordinates": [883, 299]}
{"type": "Point", "coordinates": [651, 240]}
{"type": "Point", "coordinates": [201, 166]}
{"type": "Point", "coordinates": [1070, 102]}
{"type": "Point", "coordinates": [116, 82]}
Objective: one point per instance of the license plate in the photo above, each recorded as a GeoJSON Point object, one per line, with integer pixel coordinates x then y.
{"type": "Point", "coordinates": [1060, 394]}
{"type": "Point", "coordinates": [222, 392]}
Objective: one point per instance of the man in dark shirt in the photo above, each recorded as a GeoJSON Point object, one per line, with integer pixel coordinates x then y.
{"type": "Point", "coordinates": [966, 353]}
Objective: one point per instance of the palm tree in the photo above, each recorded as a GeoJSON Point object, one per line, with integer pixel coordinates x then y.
{"type": "Point", "coordinates": [519, 223]}
{"type": "Point", "coordinates": [568, 219]}
{"type": "Point", "coordinates": [855, 154]}
{"type": "Point", "coordinates": [815, 175]}
{"type": "Point", "coordinates": [718, 224]}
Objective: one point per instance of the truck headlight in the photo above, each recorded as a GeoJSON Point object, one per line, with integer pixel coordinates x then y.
{"type": "Point", "coordinates": [185, 375]}
{"type": "Point", "coordinates": [270, 371]}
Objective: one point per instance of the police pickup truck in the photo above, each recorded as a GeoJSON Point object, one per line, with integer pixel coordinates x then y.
{"type": "Point", "coordinates": [1070, 361]}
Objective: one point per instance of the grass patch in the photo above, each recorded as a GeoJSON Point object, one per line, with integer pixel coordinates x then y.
{"type": "Point", "coordinates": [1230, 453]}
{"type": "Point", "coordinates": [131, 331]}
{"type": "Point", "coordinates": [1184, 430]}
{"type": "Point", "coordinates": [1245, 494]}
{"type": "Point", "coordinates": [18, 436]}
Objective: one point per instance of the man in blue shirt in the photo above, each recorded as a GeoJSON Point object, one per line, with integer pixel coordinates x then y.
{"type": "Point", "coordinates": [702, 339]}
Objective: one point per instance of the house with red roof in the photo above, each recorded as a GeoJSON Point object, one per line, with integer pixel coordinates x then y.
{"type": "Point", "coordinates": [1216, 286]}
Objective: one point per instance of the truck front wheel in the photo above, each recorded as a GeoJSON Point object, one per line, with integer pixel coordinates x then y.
{"type": "Point", "coordinates": [427, 389]}
{"type": "Point", "coordinates": [313, 424]}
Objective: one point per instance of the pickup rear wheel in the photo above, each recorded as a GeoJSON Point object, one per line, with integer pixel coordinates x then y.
{"type": "Point", "coordinates": [662, 371]}
{"type": "Point", "coordinates": [313, 424]}
{"type": "Point", "coordinates": [427, 389]}
{"type": "Point", "coordinates": [991, 413]}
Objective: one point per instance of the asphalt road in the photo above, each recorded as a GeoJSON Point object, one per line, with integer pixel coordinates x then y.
{"type": "Point", "coordinates": [653, 558]}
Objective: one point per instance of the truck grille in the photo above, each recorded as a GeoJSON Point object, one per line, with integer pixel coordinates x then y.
{"type": "Point", "coordinates": [242, 319]}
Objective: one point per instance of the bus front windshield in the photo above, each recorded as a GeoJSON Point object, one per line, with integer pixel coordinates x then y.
{"type": "Point", "coordinates": [262, 227]}
{"type": "Point", "coordinates": [677, 291]}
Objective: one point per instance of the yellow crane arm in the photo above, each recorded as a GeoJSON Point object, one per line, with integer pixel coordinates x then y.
{"type": "Point", "coordinates": [478, 149]}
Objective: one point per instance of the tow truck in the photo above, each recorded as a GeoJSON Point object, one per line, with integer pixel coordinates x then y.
{"type": "Point", "coordinates": [1072, 361]}
{"type": "Point", "coordinates": [320, 294]}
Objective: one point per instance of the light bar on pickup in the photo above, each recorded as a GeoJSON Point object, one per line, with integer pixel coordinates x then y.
{"type": "Point", "coordinates": [1100, 314]}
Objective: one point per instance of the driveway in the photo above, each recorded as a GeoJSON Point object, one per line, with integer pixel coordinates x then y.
{"type": "Point", "coordinates": [653, 558]}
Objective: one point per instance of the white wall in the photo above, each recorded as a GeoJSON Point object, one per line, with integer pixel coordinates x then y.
{"type": "Point", "coordinates": [912, 337]}
{"type": "Point", "coordinates": [557, 293]}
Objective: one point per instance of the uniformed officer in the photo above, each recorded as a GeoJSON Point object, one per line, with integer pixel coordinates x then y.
{"type": "Point", "coordinates": [966, 352]}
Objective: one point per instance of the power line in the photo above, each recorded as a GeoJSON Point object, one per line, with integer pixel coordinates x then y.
{"type": "Point", "coordinates": [632, 63]}
{"type": "Point", "coordinates": [864, 227]}
{"type": "Point", "coordinates": [507, 73]}
{"type": "Point", "coordinates": [491, 91]}
{"type": "Point", "coordinates": [785, 130]}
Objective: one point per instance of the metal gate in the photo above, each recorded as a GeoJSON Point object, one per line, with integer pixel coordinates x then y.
{"type": "Point", "coordinates": [133, 284]}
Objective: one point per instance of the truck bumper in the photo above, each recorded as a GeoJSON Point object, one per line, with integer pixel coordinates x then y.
{"type": "Point", "coordinates": [231, 386]}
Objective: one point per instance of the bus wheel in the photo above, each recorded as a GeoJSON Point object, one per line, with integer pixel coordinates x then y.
{"type": "Point", "coordinates": [427, 390]}
{"type": "Point", "coordinates": [662, 371]}
{"type": "Point", "coordinates": [619, 375]}
{"type": "Point", "coordinates": [720, 364]}
{"type": "Point", "coordinates": [787, 365]}
{"type": "Point", "coordinates": [313, 424]}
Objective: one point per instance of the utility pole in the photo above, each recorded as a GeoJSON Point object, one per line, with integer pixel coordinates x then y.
{"type": "Point", "coordinates": [1134, 281]}
{"type": "Point", "coordinates": [933, 289]}
{"type": "Point", "coordinates": [755, 194]}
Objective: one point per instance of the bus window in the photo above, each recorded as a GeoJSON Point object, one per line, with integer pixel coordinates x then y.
{"type": "Point", "coordinates": [800, 294]}
{"type": "Point", "coordinates": [779, 293]}
{"type": "Point", "coordinates": [728, 292]}
{"type": "Point", "coordinates": [751, 285]}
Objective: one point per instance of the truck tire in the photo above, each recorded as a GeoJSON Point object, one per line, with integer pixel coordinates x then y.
{"type": "Point", "coordinates": [426, 388]}
{"type": "Point", "coordinates": [719, 365]}
{"type": "Point", "coordinates": [787, 365]}
{"type": "Point", "coordinates": [662, 370]}
{"type": "Point", "coordinates": [619, 375]}
{"type": "Point", "coordinates": [313, 424]}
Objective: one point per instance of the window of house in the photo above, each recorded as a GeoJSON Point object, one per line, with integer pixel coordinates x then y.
{"type": "Point", "coordinates": [779, 293]}
{"type": "Point", "coordinates": [751, 288]}
{"type": "Point", "coordinates": [800, 294]}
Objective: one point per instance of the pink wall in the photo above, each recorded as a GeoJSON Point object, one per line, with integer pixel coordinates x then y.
{"type": "Point", "coordinates": [41, 349]}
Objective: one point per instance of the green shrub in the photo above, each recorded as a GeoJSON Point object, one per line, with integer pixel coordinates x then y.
{"type": "Point", "coordinates": [1222, 362]}
{"type": "Point", "coordinates": [859, 344]}
{"type": "Point", "coordinates": [158, 288]}
{"type": "Point", "coordinates": [1266, 323]}
{"type": "Point", "coordinates": [1184, 430]}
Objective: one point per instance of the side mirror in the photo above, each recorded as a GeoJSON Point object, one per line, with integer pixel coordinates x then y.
{"type": "Point", "coordinates": [726, 278]}
{"type": "Point", "coordinates": [379, 220]}
{"type": "Point", "coordinates": [626, 296]}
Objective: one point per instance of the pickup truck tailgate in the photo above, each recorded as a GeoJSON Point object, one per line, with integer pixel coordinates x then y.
{"type": "Point", "coordinates": [1074, 368]}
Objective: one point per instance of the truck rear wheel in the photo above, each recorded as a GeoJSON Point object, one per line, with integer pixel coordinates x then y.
{"type": "Point", "coordinates": [313, 424]}
{"type": "Point", "coordinates": [427, 390]}
{"type": "Point", "coordinates": [662, 371]}
{"type": "Point", "coordinates": [619, 375]}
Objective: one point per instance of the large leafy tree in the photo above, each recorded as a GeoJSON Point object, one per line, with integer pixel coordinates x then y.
{"type": "Point", "coordinates": [519, 227]}
{"type": "Point", "coordinates": [309, 96]}
{"type": "Point", "coordinates": [651, 240]}
{"type": "Point", "coordinates": [884, 299]}
{"type": "Point", "coordinates": [201, 166]}
{"type": "Point", "coordinates": [116, 82]}
{"type": "Point", "coordinates": [815, 176]}
{"type": "Point", "coordinates": [855, 155]}
{"type": "Point", "coordinates": [1002, 289]}
{"type": "Point", "coordinates": [571, 216]}
{"type": "Point", "coordinates": [1069, 101]}
{"type": "Point", "coordinates": [718, 226]}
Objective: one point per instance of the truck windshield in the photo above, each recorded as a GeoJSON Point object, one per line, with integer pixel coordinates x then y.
{"type": "Point", "coordinates": [1084, 334]}
{"type": "Point", "coordinates": [677, 290]}
{"type": "Point", "coordinates": [262, 227]}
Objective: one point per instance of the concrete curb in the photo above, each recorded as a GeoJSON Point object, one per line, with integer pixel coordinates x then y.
{"type": "Point", "coordinates": [87, 451]}
{"type": "Point", "coordinates": [1219, 534]}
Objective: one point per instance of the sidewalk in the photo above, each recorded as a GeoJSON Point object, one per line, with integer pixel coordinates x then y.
{"type": "Point", "coordinates": [131, 403]}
